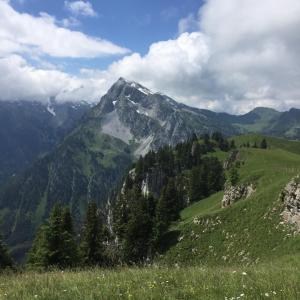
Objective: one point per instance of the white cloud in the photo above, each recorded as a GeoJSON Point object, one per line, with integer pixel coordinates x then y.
{"type": "Point", "coordinates": [20, 32]}
{"type": "Point", "coordinates": [189, 23]}
{"type": "Point", "coordinates": [20, 81]}
{"type": "Point", "coordinates": [83, 8]}
{"type": "Point", "coordinates": [245, 53]}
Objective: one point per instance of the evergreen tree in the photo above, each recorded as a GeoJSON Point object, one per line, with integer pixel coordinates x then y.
{"type": "Point", "coordinates": [138, 238]}
{"type": "Point", "coordinates": [54, 245]}
{"type": "Point", "coordinates": [197, 184]}
{"type": "Point", "coordinates": [167, 210]}
{"type": "Point", "coordinates": [5, 259]}
{"type": "Point", "coordinates": [232, 144]}
{"type": "Point", "coordinates": [263, 144]}
{"type": "Point", "coordinates": [233, 176]}
{"type": "Point", "coordinates": [255, 145]}
{"type": "Point", "coordinates": [92, 243]}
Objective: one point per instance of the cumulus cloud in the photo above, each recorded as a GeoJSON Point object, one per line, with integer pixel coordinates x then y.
{"type": "Point", "coordinates": [78, 8]}
{"type": "Point", "coordinates": [20, 32]}
{"type": "Point", "coordinates": [189, 23]}
{"type": "Point", "coordinates": [243, 54]}
{"type": "Point", "coordinates": [20, 81]}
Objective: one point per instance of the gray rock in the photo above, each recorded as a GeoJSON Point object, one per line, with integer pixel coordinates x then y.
{"type": "Point", "coordinates": [291, 199]}
{"type": "Point", "coordinates": [233, 194]}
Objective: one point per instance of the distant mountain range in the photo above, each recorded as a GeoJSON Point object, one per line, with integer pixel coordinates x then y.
{"type": "Point", "coordinates": [28, 130]}
{"type": "Point", "coordinates": [91, 148]}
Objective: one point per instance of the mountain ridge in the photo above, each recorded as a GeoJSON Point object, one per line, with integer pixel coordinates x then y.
{"type": "Point", "coordinates": [91, 159]}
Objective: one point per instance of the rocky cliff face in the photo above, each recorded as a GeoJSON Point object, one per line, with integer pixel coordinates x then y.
{"type": "Point", "coordinates": [233, 194]}
{"type": "Point", "coordinates": [149, 120]}
{"type": "Point", "coordinates": [291, 199]}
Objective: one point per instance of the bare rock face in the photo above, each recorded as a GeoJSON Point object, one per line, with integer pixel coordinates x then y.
{"type": "Point", "coordinates": [291, 199]}
{"type": "Point", "coordinates": [233, 194]}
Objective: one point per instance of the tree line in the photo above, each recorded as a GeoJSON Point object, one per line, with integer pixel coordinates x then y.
{"type": "Point", "coordinates": [141, 214]}
{"type": "Point", "coordinates": [182, 175]}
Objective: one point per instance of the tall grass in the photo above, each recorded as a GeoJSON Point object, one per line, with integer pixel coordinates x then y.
{"type": "Point", "coordinates": [272, 281]}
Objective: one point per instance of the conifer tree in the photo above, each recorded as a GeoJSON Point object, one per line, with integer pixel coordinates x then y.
{"type": "Point", "coordinates": [233, 176]}
{"type": "Point", "coordinates": [138, 238]}
{"type": "Point", "coordinates": [54, 245]}
{"type": "Point", "coordinates": [92, 243]}
{"type": "Point", "coordinates": [5, 259]}
{"type": "Point", "coordinates": [197, 184]}
{"type": "Point", "coordinates": [263, 144]}
{"type": "Point", "coordinates": [167, 210]}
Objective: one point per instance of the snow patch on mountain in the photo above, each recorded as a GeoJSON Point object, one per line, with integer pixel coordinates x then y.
{"type": "Point", "coordinates": [50, 109]}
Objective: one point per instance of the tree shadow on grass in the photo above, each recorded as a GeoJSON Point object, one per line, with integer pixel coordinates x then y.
{"type": "Point", "coordinates": [168, 240]}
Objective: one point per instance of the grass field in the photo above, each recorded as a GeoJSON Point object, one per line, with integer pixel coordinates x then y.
{"type": "Point", "coordinates": [241, 252]}
{"type": "Point", "coordinates": [278, 280]}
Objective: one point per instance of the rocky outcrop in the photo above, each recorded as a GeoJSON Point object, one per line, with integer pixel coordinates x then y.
{"type": "Point", "coordinates": [232, 158]}
{"type": "Point", "coordinates": [291, 199]}
{"type": "Point", "coordinates": [233, 194]}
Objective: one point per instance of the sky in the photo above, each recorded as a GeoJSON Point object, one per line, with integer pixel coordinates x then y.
{"type": "Point", "coordinates": [231, 55]}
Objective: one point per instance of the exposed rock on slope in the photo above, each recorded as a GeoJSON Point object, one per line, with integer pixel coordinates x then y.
{"type": "Point", "coordinates": [233, 194]}
{"type": "Point", "coordinates": [291, 199]}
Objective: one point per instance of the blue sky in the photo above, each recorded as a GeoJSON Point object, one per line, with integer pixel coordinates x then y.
{"type": "Point", "coordinates": [221, 55]}
{"type": "Point", "coordinates": [133, 24]}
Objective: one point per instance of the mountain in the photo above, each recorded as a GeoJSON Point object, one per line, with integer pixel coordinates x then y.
{"type": "Point", "coordinates": [148, 120]}
{"type": "Point", "coordinates": [28, 130]}
{"type": "Point", "coordinates": [91, 160]}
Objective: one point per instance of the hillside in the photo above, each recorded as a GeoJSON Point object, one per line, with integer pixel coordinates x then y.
{"type": "Point", "coordinates": [251, 230]}
{"type": "Point", "coordinates": [29, 130]}
{"type": "Point", "coordinates": [239, 252]}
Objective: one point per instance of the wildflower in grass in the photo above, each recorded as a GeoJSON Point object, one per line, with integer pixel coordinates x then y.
{"type": "Point", "coordinates": [267, 294]}
{"type": "Point", "coordinates": [274, 293]}
{"type": "Point", "coordinates": [244, 273]}
{"type": "Point", "coordinates": [242, 295]}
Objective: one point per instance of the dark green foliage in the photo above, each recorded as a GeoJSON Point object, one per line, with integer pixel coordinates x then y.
{"type": "Point", "coordinates": [232, 144]}
{"type": "Point", "coordinates": [263, 144]}
{"type": "Point", "coordinates": [161, 184]}
{"type": "Point", "coordinates": [92, 243]}
{"type": "Point", "coordinates": [221, 141]}
{"type": "Point", "coordinates": [5, 259]}
{"type": "Point", "coordinates": [54, 245]}
{"type": "Point", "coordinates": [137, 243]}
{"type": "Point", "coordinates": [233, 176]}
{"type": "Point", "coordinates": [205, 179]}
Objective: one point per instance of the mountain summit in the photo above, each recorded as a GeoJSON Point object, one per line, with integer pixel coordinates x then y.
{"type": "Point", "coordinates": [91, 159]}
{"type": "Point", "coordinates": [148, 120]}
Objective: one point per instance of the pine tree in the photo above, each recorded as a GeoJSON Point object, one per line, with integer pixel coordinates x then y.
{"type": "Point", "coordinates": [54, 245]}
{"type": "Point", "coordinates": [263, 144]}
{"type": "Point", "coordinates": [137, 243]}
{"type": "Point", "coordinates": [232, 144]}
{"type": "Point", "coordinates": [92, 243]}
{"type": "Point", "coordinates": [233, 176]}
{"type": "Point", "coordinates": [5, 259]}
{"type": "Point", "coordinates": [197, 183]}
{"type": "Point", "coordinates": [69, 246]}
{"type": "Point", "coordinates": [167, 210]}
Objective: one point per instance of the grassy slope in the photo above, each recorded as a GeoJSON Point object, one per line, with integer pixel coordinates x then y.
{"type": "Point", "coordinates": [242, 251]}
{"type": "Point", "coordinates": [250, 231]}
